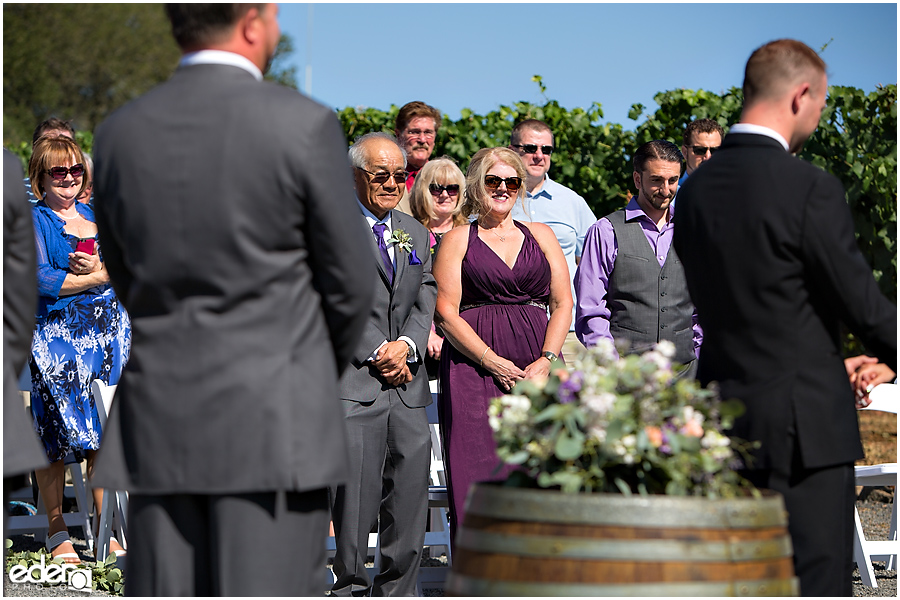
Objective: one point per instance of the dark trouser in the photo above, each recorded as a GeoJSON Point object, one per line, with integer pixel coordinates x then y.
{"type": "Point", "coordinates": [820, 520]}
{"type": "Point", "coordinates": [390, 453]}
{"type": "Point", "coordinates": [254, 544]}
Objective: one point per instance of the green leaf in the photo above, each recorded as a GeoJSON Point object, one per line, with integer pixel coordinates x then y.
{"type": "Point", "coordinates": [569, 446]}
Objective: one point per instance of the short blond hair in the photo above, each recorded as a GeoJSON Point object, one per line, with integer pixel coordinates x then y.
{"type": "Point", "coordinates": [52, 152]}
{"type": "Point", "coordinates": [421, 202]}
{"type": "Point", "coordinates": [476, 193]}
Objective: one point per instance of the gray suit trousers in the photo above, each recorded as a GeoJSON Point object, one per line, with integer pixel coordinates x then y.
{"type": "Point", "coordinates": [390, 454]}
{"type": "Point", "coordinates": [257, 544]}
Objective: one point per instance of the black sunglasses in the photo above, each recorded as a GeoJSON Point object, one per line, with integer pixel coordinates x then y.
{"type": "Point", "coordinates": [492, 182]}
{"type": "Point", "coordinates": [383, 176]}
{"type": "Point", "coordinates": [701, 150]}
{"type": "Point", "coordinates": [532, 148]}
{"type": "Point", "coordinates": [59, 173]}
{"type": "Point", "coordinates": [436, 189]}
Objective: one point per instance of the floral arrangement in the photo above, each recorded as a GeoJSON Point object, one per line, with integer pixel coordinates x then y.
{"type": "Point", "coordinates": [620, 425]}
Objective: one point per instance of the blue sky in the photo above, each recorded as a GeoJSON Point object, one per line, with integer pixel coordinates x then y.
{"type": "Point", "coordinates": [481, 56]}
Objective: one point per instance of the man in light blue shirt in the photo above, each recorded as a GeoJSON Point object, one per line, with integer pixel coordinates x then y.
{"type": "Point", "coordinates": [552, 203]}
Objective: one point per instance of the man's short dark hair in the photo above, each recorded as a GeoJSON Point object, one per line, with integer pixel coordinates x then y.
{"type": "Point", "coordinates": [52, 124]}
{"type": "Point", "coordinates": [660, 149]}
{"type": "Point", "coordinates": [202, 24]}
{"type": "Point", "coordinates": [700, 126]}
{"type": "Point", "coordinates": [411, 110]}
{"type": "Point", "coordinates": [529, 125]}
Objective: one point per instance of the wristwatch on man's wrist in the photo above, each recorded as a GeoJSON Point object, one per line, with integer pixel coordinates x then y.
{"type": "Point", "coordinates": [410, 353]}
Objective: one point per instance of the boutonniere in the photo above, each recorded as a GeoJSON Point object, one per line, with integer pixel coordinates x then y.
{"type": "Point", "coordinates": [401, 240]}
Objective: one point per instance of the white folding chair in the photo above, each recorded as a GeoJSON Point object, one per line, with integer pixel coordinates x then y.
{"type": "Point", "coordinates": [438, 534]}
{"type": "Point", "coordinates": [886, 398]}
{"type": "Point", "coordinates": [37, 523]}
{"type": "Point", "coordinates": [115, 503]}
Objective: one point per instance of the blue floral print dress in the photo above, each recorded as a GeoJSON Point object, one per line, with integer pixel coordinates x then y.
{"type": "Point", "coordinates": [77, 338]}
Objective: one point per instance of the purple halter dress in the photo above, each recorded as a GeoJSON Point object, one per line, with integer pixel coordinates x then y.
{"type": "Point", "coordinates": [507, 309]}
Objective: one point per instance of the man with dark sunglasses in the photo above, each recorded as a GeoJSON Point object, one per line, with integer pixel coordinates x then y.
{"type": "Point", "coordinates": [700, 140]}
{"type": "Point", "coordinates": [226, 215]}
{"type": "Point", "coordinates": [630, 285]}
{"type": "Point", "coordinates": [551, 203]}
{"type": "Point", "coordinates": [384, 391]}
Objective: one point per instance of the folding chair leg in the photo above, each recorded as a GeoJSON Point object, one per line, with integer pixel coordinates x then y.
{"type": "Point", "coordinates": [860, 554]}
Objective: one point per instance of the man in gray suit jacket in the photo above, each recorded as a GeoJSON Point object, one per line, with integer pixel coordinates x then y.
{"type": "Point", "coordinates": [385, 389]}
{"type": "Point", "coordinates": [228, 226]}
{"type": "Point", "coordinates": [22, 450]}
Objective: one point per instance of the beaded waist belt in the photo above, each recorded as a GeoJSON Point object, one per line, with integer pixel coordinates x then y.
{"type": "Point", "coordinates": [537, 303]}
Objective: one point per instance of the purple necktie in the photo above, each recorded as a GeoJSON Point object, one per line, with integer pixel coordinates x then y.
{"type": "Point", "coordinates": [378, 230]}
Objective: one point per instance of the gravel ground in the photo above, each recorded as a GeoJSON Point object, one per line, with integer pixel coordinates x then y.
{"type": "Point", "coordinates": [874, 512]}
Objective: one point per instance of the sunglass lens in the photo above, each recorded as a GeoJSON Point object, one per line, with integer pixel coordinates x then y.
{"type": "Point", "coordinates": [513, 183]}
{"type": "Point", "coordinates": [58, 172]}
{"type": "Point", "coordinates": [77, 170]}
{"type": "Point", "coordinates": [548, 150]}
{"type": "Point", "coordinates": [492, 182]}
{"type": "Point", "coordinates": [452, 189]}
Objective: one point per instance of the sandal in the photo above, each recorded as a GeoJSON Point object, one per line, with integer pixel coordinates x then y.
{"type": "Point", "coordinates": [58, 539]}
{"type": "Point", "coordinates": [121, 551]}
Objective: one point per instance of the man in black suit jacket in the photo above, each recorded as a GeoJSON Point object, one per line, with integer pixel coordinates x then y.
{"type": "Point", "coordinates": [773, 267]}
{"type": "Point", "coordinates": [385, 388]}
{"type": "Point", "coordinates": [228, 227]}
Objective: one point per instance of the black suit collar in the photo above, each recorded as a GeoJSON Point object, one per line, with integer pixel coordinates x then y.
{"type": "Point", "coordinates": [734, 140]}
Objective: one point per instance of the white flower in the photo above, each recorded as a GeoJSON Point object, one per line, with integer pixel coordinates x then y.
{"type": "Point", "coordinates": [600, 403]}
{"type": "Point", "coordinates": [666, 348]}
{"type": "Point", "coordinates": [597, 431]}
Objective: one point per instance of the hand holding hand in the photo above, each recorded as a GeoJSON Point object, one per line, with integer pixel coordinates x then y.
{"type": "Point", "coordinates": [504, 371]}
{"type": "Point", "coordinates": [402, 376]}
{"type": "Point", "coordinates": [853, 363]}
{"type": "Point", "coordinates": [391, 357]}
{"type": "Point", "coordinates": [539, 370]}
{"type": "Point", "coordinates": [867, 377]}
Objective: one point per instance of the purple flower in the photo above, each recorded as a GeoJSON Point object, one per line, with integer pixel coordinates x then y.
{"type": "Point", "coordinates": [568, 390]}
{"type": "Point", "coordinates": [413, 259]}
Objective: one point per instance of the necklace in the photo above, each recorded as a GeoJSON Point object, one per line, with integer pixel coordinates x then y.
{"type": "Point", "coordinates": [494, 231]}
{"type": "Point", "coordinates": [62, 216]}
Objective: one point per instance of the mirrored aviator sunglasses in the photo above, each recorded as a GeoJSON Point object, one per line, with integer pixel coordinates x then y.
{"type": "Point", "coordinates": [59, 173]}
{"type": "Point", "coordinates": [436, 189]}
{"type": "Point", "coordinates": [492, 182]}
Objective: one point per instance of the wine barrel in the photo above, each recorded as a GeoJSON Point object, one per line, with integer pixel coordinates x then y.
{"type": "Point", "coordinates": [529, 542]}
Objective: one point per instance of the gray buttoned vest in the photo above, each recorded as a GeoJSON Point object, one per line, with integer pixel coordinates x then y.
{"type": "Point", "coordinates": [648, 304]}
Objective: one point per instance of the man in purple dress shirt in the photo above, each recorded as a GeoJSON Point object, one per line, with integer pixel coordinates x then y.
{"type": "Point", "coordinates": [630, 284]}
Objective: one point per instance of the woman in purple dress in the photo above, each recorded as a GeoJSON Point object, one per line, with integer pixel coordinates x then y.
{"type": "Point", "coordinates": [497, 279]}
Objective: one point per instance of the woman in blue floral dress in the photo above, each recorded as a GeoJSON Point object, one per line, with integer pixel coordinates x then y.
{"type": "Point", "coordinates": [81, 333]}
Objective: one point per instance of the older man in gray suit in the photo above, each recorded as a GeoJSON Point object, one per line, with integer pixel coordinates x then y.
{"type": "Point", "coordinates": [385, 389]}
{"type": "Point", "coordinates": [228, 226]}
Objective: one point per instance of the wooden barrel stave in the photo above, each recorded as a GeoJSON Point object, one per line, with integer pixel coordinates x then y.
{"type": "Point", "coordinates": [505, 547]}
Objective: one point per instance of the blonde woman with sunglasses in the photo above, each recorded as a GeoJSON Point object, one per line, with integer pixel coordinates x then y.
{"type": "Point", "coordinates": [498, 279]}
